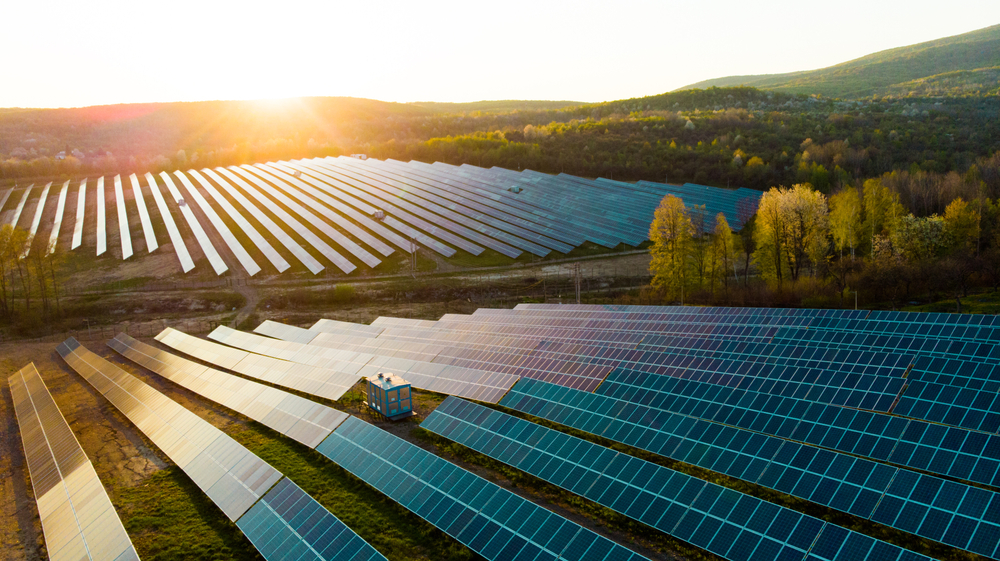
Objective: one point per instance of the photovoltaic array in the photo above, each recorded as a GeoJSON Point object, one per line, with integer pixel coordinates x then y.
{"type": "Point", "coordinates": [78, 520]}
{"type": "Point", "coordinates": [293, 416]}
{"type": "Point", "coordinates": [723, 521]}
{"type": "Point", "coordinates": [265, 505]}
{"type": "Point", "coordinates": [487, 518]}
{"type": "Point", "coordinates": [491, 521]}
{"type": "Point", "coordinates": [350, 213]}
{"type": "Point", "coordinates": [888, 416]}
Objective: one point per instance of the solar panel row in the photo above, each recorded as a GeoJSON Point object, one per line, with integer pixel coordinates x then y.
{"type": "Point", "coordinates": [330, 383]}
{"type": "Point", "coordinates": [78, 519]}
{"type": "Point", "coordinates": [370, 209]}
{"type": "Point", "coordinates": [488, 519]}
{"type": "Point", "coordinates": [295, 417]}
{"type": "Point", "coordinates": [849, 484]}
{"type": "Point", "coordinates": [475, 384]}
{"type": "Point", "coordinates": [265, 505]}
{"type": "Point", "coordinates": [723, 521]}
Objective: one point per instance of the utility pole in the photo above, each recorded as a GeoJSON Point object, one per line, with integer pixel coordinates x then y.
{"type": "Point", "coordinates": [577, 271]}
{"type": "Point", "coordinates": [413, 257]}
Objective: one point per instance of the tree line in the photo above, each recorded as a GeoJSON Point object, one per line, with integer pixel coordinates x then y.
{"type": "Point", "coordinates": [802, 244]}
{"type": "Point", "coordinates": [29, 280]}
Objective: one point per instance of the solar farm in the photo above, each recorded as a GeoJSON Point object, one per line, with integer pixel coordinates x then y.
{"type": "Point", "coordinates": [543, 432]}
{"type": "Point", "coordinates": [338, 216]}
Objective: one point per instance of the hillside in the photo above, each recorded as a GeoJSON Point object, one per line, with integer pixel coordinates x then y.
{"type": "Point", "coordinates": [498, 106]}
{"type": "Point", "coordinates": [884, 72]}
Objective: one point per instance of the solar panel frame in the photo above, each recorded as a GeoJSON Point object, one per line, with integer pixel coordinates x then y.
{"type": "Point", "coordinates": [218, 265]}
{"type": "Point", "coordinates": [147, 225]}
{"type": "Point", "coordinates": [340, 190]}
{"type": "Point", "coordinates": [126, 237]}
{"type": "Point", "coordinates": [336, 258]}
{"type": "Point", "coordinates": [81, 206]}
{"type": "Point", "coordinates": [293, 416]}
{"type": "Point", "coordinates": [258, 240]}
{"type": "Point", "coordinates": [50, 248]}
{"type": "Point", "coordinates": [283, 238]}
{"type": "Point", "coordinates": [329, 383]}
{"type": "Point", "coordinates": [236, 480]}
{"type": "Point", "coordinates": [37, 218]}
{"type": "Point", "coordinates": [234, 245]}
{"type": "Point", "coordinates": [474, 511]}
{"type": "Point", "coordinates": [78, 519]}
{"type": "Point", "coordinates": [20, 206]}
{"type": "Point", "coordinates": [332, 233]}
{"type": "Point", "coordinates": [697, 509]}
{"type": "Point", "coordinates": [180, 249]}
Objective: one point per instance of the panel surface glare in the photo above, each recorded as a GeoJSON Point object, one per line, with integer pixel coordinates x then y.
{"type": "Point", "coordinates": [78, 520]}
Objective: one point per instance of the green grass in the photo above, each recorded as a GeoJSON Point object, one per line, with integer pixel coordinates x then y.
{"type": "Point", "coordinates": [975, 303]}
{"type": "Point", "coordinates": [168, 518]}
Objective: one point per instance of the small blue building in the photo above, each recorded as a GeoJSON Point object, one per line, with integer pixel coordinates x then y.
{"type": "Point", "coordinates": [390, 396]}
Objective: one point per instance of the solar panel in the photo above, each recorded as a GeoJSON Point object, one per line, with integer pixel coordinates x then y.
{"type": "Point", "coordinates": [288, 524]}
{"type": "Point", "coordinates": [258, 240]}
{"type": "Point", "coordinates": [310, 196]}
{"type": "Point", "coordinates": [264, 504]}
{"type": "Point", "coordinates": [81, 205]}
{"type": "Point", "coordinates": [175, 235]}
{"type": "Point", "coordinates": [20, 206]}
{"type": "Point", "coordinates": [318, 189]}
{"type": "Point", "coordinates": [102, 231]}
{"type": "Point", "coordinates": [460, 210]}
{"type": "Point", "coordinates": [37, 219]}
{"type": "Point", "coordinates": [332, 233]}
{"type": "Point", "coordinates": [283, 238]}
{"type": "Point", "coordinates": [293, 416]}
{"type": "Point", "coordinates": [468, 228]}
{"type": "Point", "coordinates": [360, 200]}
{"type": "Point", "coordinates": [78, 519]}
{"type": "Point", "coordinates": [396, 216]}
{"type": "Point", "coordinates": [4, 196]}
{"type": "Point", "coordinates": [489, 520]}
{"type": "Point", "coordinates": [324, 382]}
{"type": "Point", "coordinates": [199, 233]}
{"type": "Point", "coordinates": [249, 265]}
{"type": "Point", "coordinates": [126, 237]}
{"type": "Point", "coordinates": [147, 224]}
{"type": "Point", "coordinates": [336, 258]}
{"type": "Point", "coordinates": [853, 485]}
{"type": "Point", "coordinates": [723, 521]}
{"type": "Point", "coordinates": [57, 221]}
{"type": "Point", "coordinates": [475, 384]}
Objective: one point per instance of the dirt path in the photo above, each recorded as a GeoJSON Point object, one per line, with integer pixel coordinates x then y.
{"type": "Point", "coordinates": [252, 296]}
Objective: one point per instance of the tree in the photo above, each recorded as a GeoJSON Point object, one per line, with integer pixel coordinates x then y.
{"type": "Point", "coordinates": [792, 231]}
{"type": "Point", "coordinates": [723, 250]}
{"type": "Point", "coordinates": [962, 225]}
{"type": "Point", "coordinates": [845, 220]}
{"type": "Point", "coordinates": [882, 209]}
{"type": "Point", "coordinates": [671, 233]}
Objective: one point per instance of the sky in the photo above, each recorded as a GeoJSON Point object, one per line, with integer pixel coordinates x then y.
{"type": "Point", "coordinates": [70, 54]}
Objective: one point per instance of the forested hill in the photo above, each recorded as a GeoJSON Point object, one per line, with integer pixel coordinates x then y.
{"type": "Point", "coordinates": [892, 72]}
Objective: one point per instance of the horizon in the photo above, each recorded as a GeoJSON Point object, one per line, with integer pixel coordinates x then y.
{"type": "Point", "coordinates": [527, 52]}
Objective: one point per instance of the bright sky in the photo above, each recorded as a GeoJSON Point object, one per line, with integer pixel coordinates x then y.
{"type": "Point", "coordinates": [63, 53]}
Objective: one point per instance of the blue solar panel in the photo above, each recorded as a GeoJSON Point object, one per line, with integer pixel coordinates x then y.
{"type": "Point", "coordinates": [488, 519]}
{"type": "Point", "coordinates": [288, 524]}
{"type": "Point", "coordinates": [849, 484]}
{"type": "Point", "coordinates": [723, 521]}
